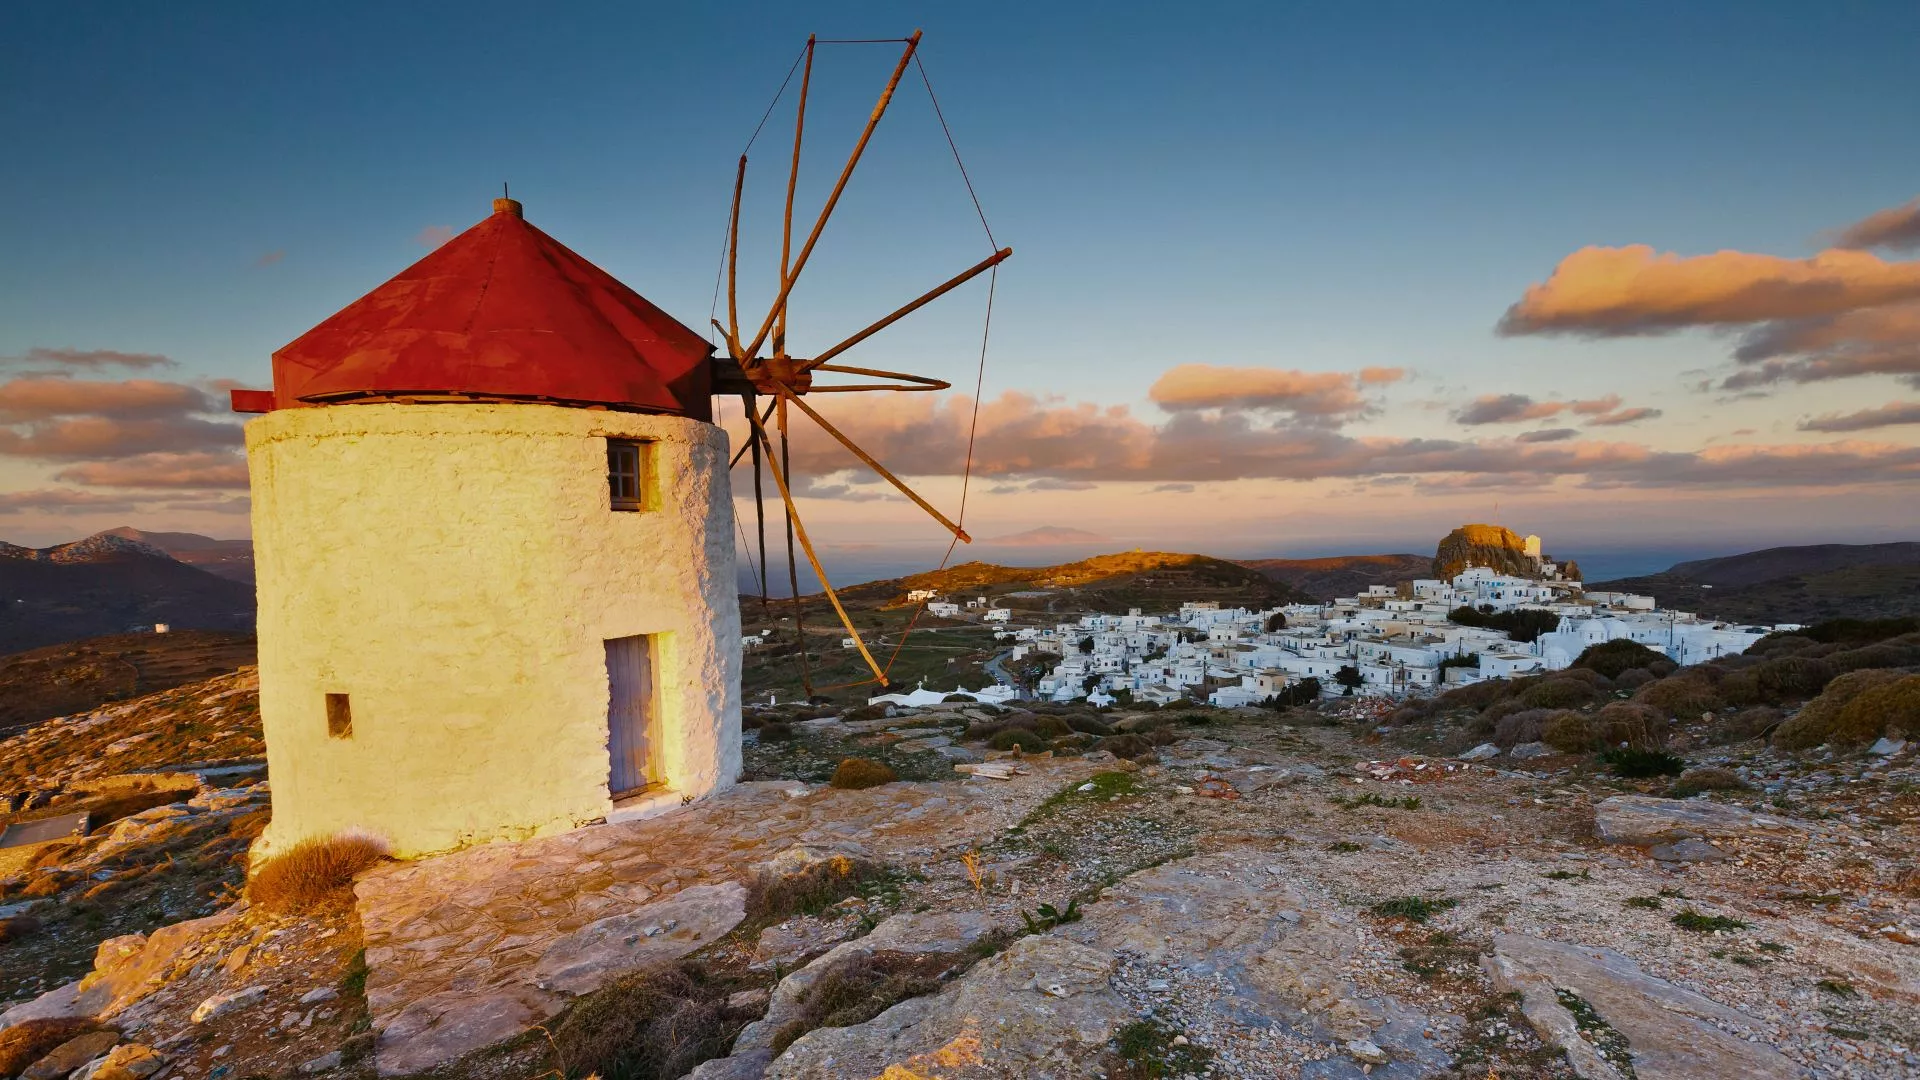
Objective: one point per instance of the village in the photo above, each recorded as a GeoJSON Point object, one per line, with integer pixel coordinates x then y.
{"type": "Point", "coordinates": [1419, 638]}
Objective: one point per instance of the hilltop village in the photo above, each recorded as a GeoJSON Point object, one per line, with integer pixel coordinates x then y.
{"type": "Point", "coordinates": [1418, 637]}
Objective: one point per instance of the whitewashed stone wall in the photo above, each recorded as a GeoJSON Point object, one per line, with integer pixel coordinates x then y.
{"type": "Point", "coordinates": [455, 569]}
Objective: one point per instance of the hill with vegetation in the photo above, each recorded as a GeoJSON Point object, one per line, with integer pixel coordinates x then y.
{"type": "Point", "coordinates": [60, 680]}
{"type": "Point", "coordinates": [1790, 584]}
{"type": "Point", "coordinates": [1102, 583]}
{"type": "Point", "coordinates": [1340, 575]}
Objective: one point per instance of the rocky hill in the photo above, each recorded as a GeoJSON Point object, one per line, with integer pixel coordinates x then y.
{"type": "Point", "coordinates": [1118, 581]}
{"type": "Point", "coordinates": [1341, 575]}
{"type": "Point", "coordinates": [1790, 584]}
{"type": "Point", "coordinates": [61, 679]}
{"type": "Point", "coordinates": [225, 558]}
{"type": "Point", "coordinates": [1493, 546]}
{"type": "Point", "coordinates": [109, 584]}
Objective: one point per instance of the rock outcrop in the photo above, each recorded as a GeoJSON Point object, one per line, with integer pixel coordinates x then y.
{"type": "Point", "coordinates": [1493, 546]}
{"type": "Point", "coordinates": [1643, 820]}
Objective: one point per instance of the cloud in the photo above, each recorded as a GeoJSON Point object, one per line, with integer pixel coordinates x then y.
{"type": "Point", "coordinates": [1027, 437]}
{"type": "Point", "coordinates": [1874, 341]}
{"type": "Point", "coordinates": [86, 360]}
{"type": "Point", "coordinates": [433, 236]}
{"type": "Point", "coordinates": [1519, 408]}
{"type": "Point", "coordinates": [32, 398]}
{"type": "Point", "coordinates": [58, 501]}
{"type": "Point", "coordinates": [1560, 434]}
{"type": "Point", "coordinates": [1179, 488]}
{"type": "Point", "coordinates": [83, 437]}
{"type": "Point", "coordinates": [1611, 292]}
{"type": "Point", "coordinates": [1507, 409]}
{"type": "Point", "coordinates": [1896, 228]}
{"type": "Point", "coordinates": [1303, 393]}
{"type": "Point", "coordinates": [58, 418]}
{"type": "Point", "coordinates": [161, 470]}
{"type": "Point", "coordinates": [1047, 483]}
{"type": "Point", "coordinates": [269, 259]}
{"type": "Point", "coordinates": [1624, 416]}
{"type": "Point", "coordinates": [1899, 412]}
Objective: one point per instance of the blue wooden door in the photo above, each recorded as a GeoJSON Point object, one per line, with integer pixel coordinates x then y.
{"type": "Point", "coordinates": [629, 714]}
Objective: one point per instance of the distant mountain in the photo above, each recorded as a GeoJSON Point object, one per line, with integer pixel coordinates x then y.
{"type": "Point", "coordinates": [109, 584]}
{"type": "Point", "coordinates": [227, 558]}
{"type": "Point", "coordinates": [1047, 534]}
{"type": "Point", "coordinates": [1790, 584]}
{"type": "Point", "coordinates": [1341, 575]}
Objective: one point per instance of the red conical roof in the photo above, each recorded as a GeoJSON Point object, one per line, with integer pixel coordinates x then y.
{"type": "Point", "coordinates": [501, 312]}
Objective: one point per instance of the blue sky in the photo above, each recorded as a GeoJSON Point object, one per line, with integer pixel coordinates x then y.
{"type": "Point", "coordinates": [1317, 188]}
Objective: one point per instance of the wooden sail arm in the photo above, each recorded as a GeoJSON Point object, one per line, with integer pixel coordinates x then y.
{"type": "Point", "coordinates": [785, 392]}
{"type": "Point", "coordinates": [820, 224]}
{"type": "Point", "coordinates": [733, 263]}
{"type": "Point", "coordinates": [923, 300]}
{"type": "Point", "coordinates": [800, 533]}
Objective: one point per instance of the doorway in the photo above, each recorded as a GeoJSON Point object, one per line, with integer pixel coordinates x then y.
{"type": "Point", "coordinates": [631, 736]}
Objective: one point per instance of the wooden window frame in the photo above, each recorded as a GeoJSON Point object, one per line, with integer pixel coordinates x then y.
{"type": "Point", "coordinates": [629, 475]}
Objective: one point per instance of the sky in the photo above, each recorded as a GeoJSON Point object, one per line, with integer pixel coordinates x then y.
{"type": "Point", "coordinates": [1288, 279]}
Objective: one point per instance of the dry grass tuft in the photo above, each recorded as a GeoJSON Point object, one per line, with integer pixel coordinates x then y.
{"type": "Point", "coordinates": [856, 773]}
{"type": "Point", "coordinates": [773, 896]}
{"type": "Point", "coordinates": [313, 873]}
{"type": "Point", "coordinates": [862, 987]}
{"type": "Point", "coordinates": [646, 1027]}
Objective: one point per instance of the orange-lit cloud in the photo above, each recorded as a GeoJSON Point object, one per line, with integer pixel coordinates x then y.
{"type": "Point", "coordinates": [1899, 412]}
{"type": "Point", "coordinates": [1605, 291]}
{"type": "Point", "coordinates": [161, 470]}
{"type": "Point", "coordinates": [1304, 393]}
{"type": "Point", "coordinates": [85, 360]}
{"type": "Point", "coordinates": [1519, 408]}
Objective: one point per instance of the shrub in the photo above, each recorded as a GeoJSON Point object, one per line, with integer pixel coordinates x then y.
{"type": "Point", "coordinates": [17, 927]}
{"type": "Point", "coordinates": [1639, 764]}
{"type": "Point", "coordinates": [1882, 654]}
{"type": "Point", "coordinates": [1739, 726]}
{"type": "Point", "coordinates": [1780, 643]}
{"type": "Point", "coordinates": [1685, 696]}
{"type": "Point", "coordinates": [1473, 695]}
{"type": "Point", "coordinates": [1015, 738]}
{"type": "Point", "coordinates": [1631, 723]}
{"type": "Point", "coordinates": [1707, 778]}
{"type": "Point", "coordinates": [775, 731]}
{"type": "Point", "coordinates": [866, 712]}
{"type": "Point", "coordinates": [856, 773]}
{"type": "Point", "coordinates": [1556, 693]}
{"type": "Point", "coordinates": [313, 873]}
{"type": "Point", "coordinates": [773, 896]}
{"type": "Point", "coordinates": [1662, 668]}
{"type": "Point", "coordinates": [1523, 727]}
{"type": "Point", "coordinates": [1860, 630]}
{"type": "Point", "coordinates": [1570, 733]}
{"type": "Point", "coordinates": [1819, 721]}
{"type": "Point", "coordinates": [1876, 711]}
{"type": "Point", "coordinates": [30, 1040]}
{"type": "Point", "coordinates": [1502, 709]}
{"type": "Point", "coordinates": [1791, 678]}
{"type": "Point", "coordinates": [1125, 746]}
{"type": "Point", "coordinates": [1633, 678]}
{"type": "Point", "coordinates": [1089, 725]}
{"type": "Point", "coordinates": [1690, 919]}
{"type": "Point", "coordinates": [861, 987]}
{"type": "Point", "coordinates": [1416, 909]}
{"type": "Point", "coordinates": [1612, 658]}
{"type": "Point", "coordinates": [1051, 727]}
{"type": "Point", "coordinates": [655, 1026]}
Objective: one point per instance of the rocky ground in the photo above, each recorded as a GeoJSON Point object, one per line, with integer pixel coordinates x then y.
{"type": "Point", "coordinates": [1253, 894]}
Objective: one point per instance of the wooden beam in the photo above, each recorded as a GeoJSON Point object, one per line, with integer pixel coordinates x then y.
{"type": "Point", "coordinates": [820, 225]}
{"type": "Point", "coordinates": [923, 300]}
{"type": "Point", "coordinates": [733, 262]}
{"type": "Point", "coordinates": [793, 181]}
{"type": "Point", "coordinates": [787, 394]}
{"type": "Point", "coordinates": [793, 516]}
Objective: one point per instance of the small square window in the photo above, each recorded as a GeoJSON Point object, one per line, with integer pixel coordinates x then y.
{"type": "Point", "coordinates": [339, 717]}
{"type": "Point", "coordinates": [627, 462]}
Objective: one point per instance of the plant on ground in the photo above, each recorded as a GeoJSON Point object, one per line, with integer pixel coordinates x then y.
{"type": "Point", "coordinates": [1570, 733]}
{"type": "Point", "coordinates": [28, 1041]}
{"type": "Point", "coordinates": [1613, 658]}
{"type": "Point", "coordinates": [1046, 916]}
{"type": "Point", "coordinates": [1416, 909]}
{"type": "Point", "coordinates": [1689, 919]}
{"type": "Point", "coordinates": [773, 896]}
{"type": "Point", "coordinates": [1650, 902]}
{"type": "Point", "coordinates": [1630, 763]}
{"type": "Point", "coordinates": [1837, 987]}
{"type": "Point", "coordinates": [1556, 693]}
{"type": "Point", "coordinates": [1345, 847]}
{"type": "Point", "coordinates": [1088, 725]}
{"type": "Point", "coordinates": [1098, 788]}
{"type": "Point", "coordinates": [313, 873]}
{"type": "Point", "coordinates": [862, 987]}
{"type": "Point", "coordinates": [1051, 727]}
{"type": "Point", "coordinates": [1602, 1036]}
{"type": "Point", "coordinates": [1686, 695]}
{"type": "Point", "coordinates": [655, 1026]}
{"type": "Point", "coordinates": [1707, 778]}
{"type": "Point", "coordinates": [1410, 802]}
{"type": "Point", "coordinates": [1146, 1050]}
{"type": "Point", "coordinates": [857, 773]}
{"type": "Point", "coordinates": [1014, 738]}
{"type": "Point", "coordinates": [1569, 875]}
{"type": "Point", "coordinates": [1822, 720]}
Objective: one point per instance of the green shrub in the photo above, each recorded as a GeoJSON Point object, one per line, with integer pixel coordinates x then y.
{"type": "Point", "coordinates": [1740, 725]}
{"type": "Point", "coordinates": [1850, 631]}
{"type": "Point", "coordinates": [856, 773]}
{"type": "Point", "coordinates": [1791, 678]}
{"type": "Point", "coordinates": [1417, 909]}
{"type": "Point", "coordinates": [1502, 709]}
{"type": "Point", "coordinates": [1613, 658]}
{"type": "Point", "coordinates": [1639, 764]}
{"type": "Point", "coordinates": [646, 1027]}
{"type": "Point", "coordinates": [1633, 678]}
{"type": "Point", "coordinates": [1819, 721]}
{"type": "Point", "coordinates": [1015, 738]}
{"type": "Point", "coordinates": [1473, 695]}
{"type": "Point", "coordinates": [1570, 733]}
{"type": "Point", "coordinates": [1051, 727]}
{"type": "Point", "coordinates": [1089, 725]}
{"type": "Point", "coordinates": [1875, 712]}
{"type": "Point", "coordinates": [1662, 668]}
{"type": "Point", "coordinates": [1884, 654]}
{"type": "Point", "coordinates": [1690, 919]}
{"type": "Point", "coordinates": [1525, 727]}
{"type": "Point", "coordinates": [1556, 693]}
{"type": "Point", "coordinates": [1683, 696]}
{"type": "Point", "coordinates": [1125, 746]}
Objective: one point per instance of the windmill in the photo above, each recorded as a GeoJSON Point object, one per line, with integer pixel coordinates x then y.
{"type": "Point", "coordinates": [759, 367]}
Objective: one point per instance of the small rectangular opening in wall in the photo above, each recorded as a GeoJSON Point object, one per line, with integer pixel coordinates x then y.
{"type": "Point", "coordinates": [339, 716]}
{"type": "Point", "coordinates": [629, 468]}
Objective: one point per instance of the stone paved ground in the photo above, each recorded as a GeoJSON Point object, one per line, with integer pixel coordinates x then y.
{"type": "Point", "coordinates": [465, 949]}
